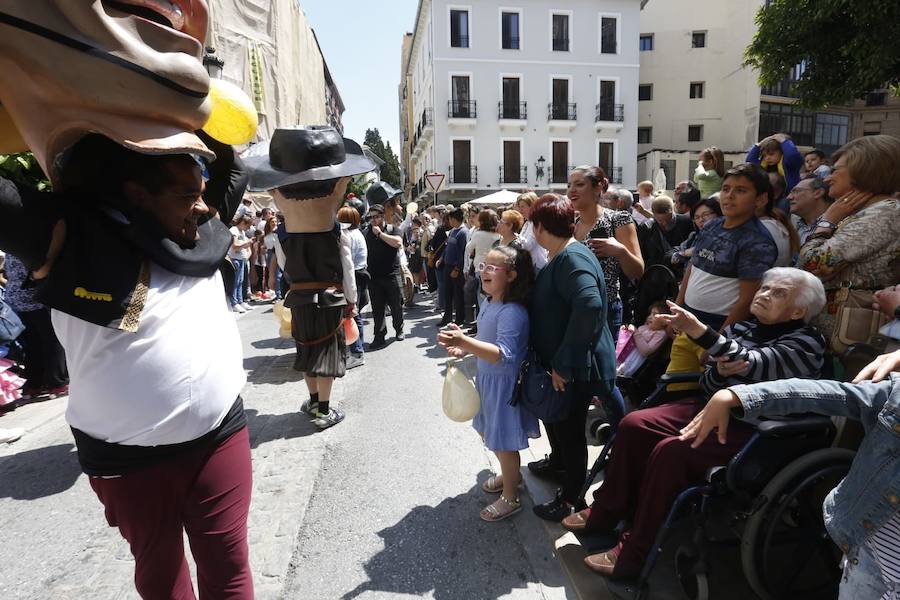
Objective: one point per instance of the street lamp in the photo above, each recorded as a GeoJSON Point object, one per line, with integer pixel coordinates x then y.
{"type": "Point", "coordinates": [213, 63]}
{"type": "Point", "coordinates": [539, 169]}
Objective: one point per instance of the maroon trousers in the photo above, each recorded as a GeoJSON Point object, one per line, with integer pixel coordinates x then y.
{"type": "Point", "coordinates": [205, 492]}
{"type": "Point", "coordinates": [649, 468]}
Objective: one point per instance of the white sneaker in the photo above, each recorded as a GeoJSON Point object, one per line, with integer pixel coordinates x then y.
{"type": "Point", "coordinates": [238, 308]}
{"type": "Point", "coordinates": [246, 306]}
{"type": "Point", "coordinates": [10, 435]}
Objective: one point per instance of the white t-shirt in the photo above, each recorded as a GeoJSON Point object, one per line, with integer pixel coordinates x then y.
{"type": "Point", "coordinates": [172, 381]}
{"type": "Point", "coordinates": [537, 252]}
{"type": "Point", "coordinates": [240, 236]}
{"type": "Point", "coordinates": [782, 241]}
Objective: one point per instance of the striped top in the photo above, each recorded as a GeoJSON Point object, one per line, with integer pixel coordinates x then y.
{"type": "Point", "coordinates": [779, 351]}
{"type": "Point", "coordinates": [885, 545]}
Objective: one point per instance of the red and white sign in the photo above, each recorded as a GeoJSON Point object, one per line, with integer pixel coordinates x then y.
{"type": "Point", "coordinates": [435, 181]}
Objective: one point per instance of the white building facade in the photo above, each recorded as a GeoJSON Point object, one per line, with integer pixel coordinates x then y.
{"type": "Point", "coordinates": [513, 94]}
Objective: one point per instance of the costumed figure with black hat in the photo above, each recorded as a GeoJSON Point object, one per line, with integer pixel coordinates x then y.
{"type": "Point", "coordinates": [127, 251]}
{"type": "Point", "coordinates": [307, 171]}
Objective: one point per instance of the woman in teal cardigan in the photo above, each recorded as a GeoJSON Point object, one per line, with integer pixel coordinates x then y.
{"type": "Point", "coordinates": [572, 341]}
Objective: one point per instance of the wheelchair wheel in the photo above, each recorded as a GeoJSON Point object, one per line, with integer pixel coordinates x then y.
{"type": "Point", "coordinates": [601, 431]}
{"type": "Point", "coordinates": [785, 550]}
{"type": "Point", "coordinates": [691, 576]}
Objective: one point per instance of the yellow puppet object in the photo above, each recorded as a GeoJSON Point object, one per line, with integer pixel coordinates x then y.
{"type": "Point", "coordinates": [233, 119]}
{"type": "Point", "coordinates": [283, 318]}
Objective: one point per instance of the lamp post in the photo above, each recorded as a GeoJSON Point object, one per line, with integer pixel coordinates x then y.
{"type": "Point", "coordinates": [539, 169]}
{"type": "Point", "coordinates": [213, 63]}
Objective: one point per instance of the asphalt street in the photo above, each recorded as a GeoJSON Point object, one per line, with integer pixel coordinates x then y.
{"type": "Point", "coordinates": [384, 505]}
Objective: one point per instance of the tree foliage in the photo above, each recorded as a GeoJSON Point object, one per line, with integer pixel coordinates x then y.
{"type": "Point", "coordinates": [390, 171]}
{"type": "Point", "coordinates": [24, 171]}
{"type": "Point", "coordinates": [847, 47]}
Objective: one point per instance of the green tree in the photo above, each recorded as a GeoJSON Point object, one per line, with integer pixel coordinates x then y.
{"type": "Point", "coordinates": [23, 170]}
{"type": "Point", "coordinates": [390, 171]}
{"type": "Point", "coordinates": [848, 47]}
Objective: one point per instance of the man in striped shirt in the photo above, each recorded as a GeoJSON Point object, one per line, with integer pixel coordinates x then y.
{"type": "Point", "coordinates": [650, 464]}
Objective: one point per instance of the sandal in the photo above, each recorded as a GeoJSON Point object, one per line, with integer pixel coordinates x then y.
{"type": "Point", "coordinates": [603, 563]}
{"type": "Point", "coordinates": [500, 509]}
{"type": "Point", "coordinates": [577, 521]}
{"type": "Point", "coordinates": [494, 485]}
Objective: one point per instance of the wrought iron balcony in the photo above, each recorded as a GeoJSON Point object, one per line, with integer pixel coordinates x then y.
{"type": "Point", "coordinates": [614, 174]}
{"type": "Point", "coordinates": [560, 173]}
{"type": "Point", "coordinates": [519, 175]}
{"type": "Point", "coordinates": [510, 42]}
{"type": "Point", "coordinates": [459, 41]}
{"type": "Point", "coordinates": [462, 110]}
{"type": "Point", "coordinates": [607, 111]}
{"type": "Point", "coordinates": [512, 110]}
{"type": "Point", "coordinates": [463, 174]}
{"type": "Point", "coordinates": [561, 112]}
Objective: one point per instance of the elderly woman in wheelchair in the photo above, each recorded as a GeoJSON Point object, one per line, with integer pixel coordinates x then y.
{"type": "Point", "coordinates": [651, 465]}
{"type": "Point", "coordinates": [861, 513]}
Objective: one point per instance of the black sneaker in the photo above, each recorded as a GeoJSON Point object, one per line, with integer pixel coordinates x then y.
{"type": "Point", "coordinates": [545, 469]}
{"type": "Point", "coordinates": [310, 407]}
{"type": "Point", "coordinates": [557, 509]}
{"type": "Point", "coordinates": [377, 343]}
{"type": "Point", "coordinates": [400, 336]}
{"type": "Point", "coordinates": [324, 421]}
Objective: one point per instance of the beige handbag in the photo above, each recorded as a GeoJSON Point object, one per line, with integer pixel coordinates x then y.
{"type": "Point", "coordinates": [461, 401]}
{"type": "Point", "coordinates": [855, 321]}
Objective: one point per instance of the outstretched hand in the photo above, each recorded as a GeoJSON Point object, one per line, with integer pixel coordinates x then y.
{"type": "Point", "coordinates": [879, 368]}
{"type": "Point", "coordinates": [683, 320]}
{"type": "Point", "coordinates": [450, 338]}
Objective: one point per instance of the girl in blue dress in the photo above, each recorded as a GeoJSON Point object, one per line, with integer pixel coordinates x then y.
{"type": "Point", "coordinates": [507, 276]}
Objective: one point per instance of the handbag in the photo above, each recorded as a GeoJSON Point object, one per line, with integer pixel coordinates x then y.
{"type": "Point", "coordinates": [460, 401]}
{"type": "Point", "coordinates": [432, 260]}
{"type": "Point", "coordinates": [534, 392]}
{"type": "Point", "coordinates": [855, 321]}
{"type": "Point", "coordinates": [11, 325]}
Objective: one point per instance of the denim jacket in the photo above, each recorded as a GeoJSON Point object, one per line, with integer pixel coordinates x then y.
{"type": "Point", "coordinates": [870, 493]}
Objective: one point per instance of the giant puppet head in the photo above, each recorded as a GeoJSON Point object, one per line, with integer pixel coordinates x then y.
{"type": "Point", "coordinates": [131, 70]}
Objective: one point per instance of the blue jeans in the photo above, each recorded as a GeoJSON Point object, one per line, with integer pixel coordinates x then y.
{"type": "Point", "coordinates": [442, 289]}
{"type": "Point", "coordinates": [237, 295]}
{"type": "Point", "coordinates": [357, 346]}
{"type": "Point", "coordinates": [616, 408]}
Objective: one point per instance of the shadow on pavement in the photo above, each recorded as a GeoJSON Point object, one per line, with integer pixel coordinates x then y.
{"type": "Point", "coordinates": [267, 428]}
{"type": "Point", "coordinates": [272, 369]}
{"type": "Point", "coordinates": [38, 473]}
{"type": "Point", "coordinates": [435, 550]}
{"type": "Point", "coordinates": [275, 342]}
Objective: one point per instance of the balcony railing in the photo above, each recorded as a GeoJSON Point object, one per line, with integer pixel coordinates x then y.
{"type": "Point", "coordinates": [512, 110]}
{"type": "Point", "coordinates": [459, 41]}
{"type": "Point", "coordinates": [614, 174]}
{"type": "Point", "coordinates": [426, 120]}
{"type": "Point", "coordinates": [561, 44]}
{"type": "Point", "coordinates": [561, 112]}
{"type": "Point", "coordinates": [560, 173]}
{"type": "Point", "coordinates": [463, 174]}
{"type": "Point", "coordinates": [511, 43]}
{"type": "Point", "coordinates": [519, 175]}
{"type": "Point", "coordinates": [607, 111]}
{"type": "Point", "coordinates": [462, 110]}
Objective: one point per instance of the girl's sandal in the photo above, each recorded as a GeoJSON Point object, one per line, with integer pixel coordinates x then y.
{"type": "Point", "coordinates": [500, 509]}
{"type": "Point", "coordinates": [494, 485]}
{"type": "Point", "coordinates": [577, 521]}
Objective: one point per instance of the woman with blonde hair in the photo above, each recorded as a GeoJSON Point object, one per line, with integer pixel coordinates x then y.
{"type": "Point", "coordinates": [538, 254]}
{"type": "Point", "coordinates": [509, 226]}
{"type": "Point", "coordinates": [709, 173]}
{"type": "Point", "coordinates": [857, 241]}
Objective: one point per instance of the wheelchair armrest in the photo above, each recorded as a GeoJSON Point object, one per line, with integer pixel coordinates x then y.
{"type": "Point", "coordinates": [667, 378]}
{"type": "Point", "coordinates": [793, 425]}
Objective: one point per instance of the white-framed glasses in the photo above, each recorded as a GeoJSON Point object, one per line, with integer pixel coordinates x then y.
{"type": "Point", "coordinates": [489, 268]}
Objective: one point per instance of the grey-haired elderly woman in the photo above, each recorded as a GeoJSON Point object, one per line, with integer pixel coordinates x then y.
{"type": "Point", "coordinates": [651, 464]}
